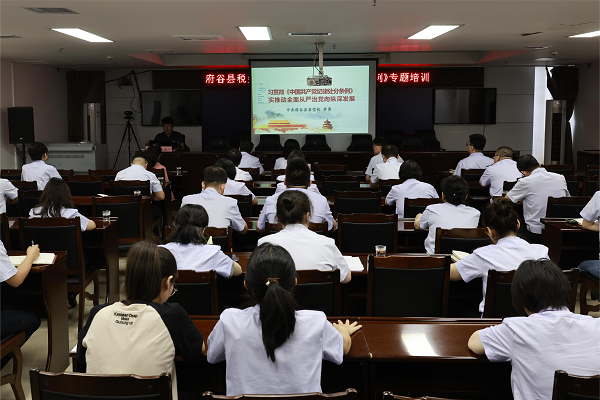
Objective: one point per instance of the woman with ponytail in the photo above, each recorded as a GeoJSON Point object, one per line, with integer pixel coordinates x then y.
{"type": "Point", "coordinates": [506, 254]}
{"type": "Point", "coordinates": [274, 348]}
{"type": "Point", "coordinates": [308, 249]}
{"type": "Point", "coordinates": [188, 244]}
{"type": "Point", "coordinates": [452, 213]}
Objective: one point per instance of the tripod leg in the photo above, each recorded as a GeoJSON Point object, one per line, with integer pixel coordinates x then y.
{"type": "Point", "coordinates": [120, 146]}
{"type": "Point", "coordinates": [135, 137]}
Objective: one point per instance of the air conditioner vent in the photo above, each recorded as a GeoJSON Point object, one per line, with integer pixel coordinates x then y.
{"type": "Point", "coordinates": [200, 38]}
{"type": "Point", "coordinates": [10, 37]}
{"type": "Point", "coordinates": [530, 33]}
{"type": "Point", "coordinates": [50, 10]}
{"type": "Point", "coordinates": [309, 33]}
{"type": "Point", "coordinates": [155, 51]}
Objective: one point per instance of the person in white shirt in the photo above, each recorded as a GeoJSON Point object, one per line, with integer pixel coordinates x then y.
{"type": "Point", "coordinates": [411, 187]}
{"type": "Point", "coordinates": [506, 254]}
{"type": "Point", "coordinates": [590, 215]}
{"type": "Point", "coordinates": [308, 249]}
{"type": "Point", "coordinates": [7, 191]}
{"type": "Point", "coordinates": [188, 244]}
{"type": "Point", "coordinates": [236, 157]}
{"type": "Point", "coordinates": [390, 166]}
{"type": "Point", "coordinates": [37, 170]}
{"type": "Point", "coordinates": [289, 146]}
{"type": "Point", "coordinates": [534, 189]}
{"type": "Point", "coordinates": [273, 347]}
{"type": "Point", "coordinates": [232, 186]}
{"type": "Point", "coordinates": [222, 211]}
{"type": "Point", "coordinates": [503, 170]}
{"type": "Point", "coordinates": [476, 159]}
{"type": "Point", "coordinates": [550, 338]}
{"type": "Point", "coordinates": [297, 177]}
{"type": "Point", "coordinates": [138, 172]}
{"type": "Point", "coordinates": [453, 213]}
{"type": "Point", "coordinates": [378, 144]}
{"type": "Point", "coordinates": [281, 186]}
{"type": "Point", "coordinates": [248, 160]}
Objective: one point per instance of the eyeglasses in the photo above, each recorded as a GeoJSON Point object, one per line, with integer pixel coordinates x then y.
{"type": "Point", "coordinates": [468, 144]}
{"type": "Point", "coordinates": [174, 290]}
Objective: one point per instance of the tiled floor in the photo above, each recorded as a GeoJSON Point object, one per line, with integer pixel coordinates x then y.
{"type": "Point", "coordinates": [35, 350]}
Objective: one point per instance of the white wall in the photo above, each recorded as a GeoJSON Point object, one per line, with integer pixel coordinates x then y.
{"type": "Point", "coordinates": [584, 123]}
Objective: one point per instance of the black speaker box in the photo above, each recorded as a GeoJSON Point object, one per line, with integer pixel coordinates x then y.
{"type": "Point", "coordinates": [20, 125]}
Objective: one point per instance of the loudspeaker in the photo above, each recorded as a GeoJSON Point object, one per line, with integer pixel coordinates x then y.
{"type": "Point", "coordinates": [20, 125]}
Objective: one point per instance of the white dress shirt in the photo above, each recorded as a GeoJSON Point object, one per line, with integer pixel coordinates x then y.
{"type": "Point", "coordinates": [506, 255]}
{"type": "Point", "coordinates": [241, 175]}
{"type": "Point", "coordinates": [496, 174]}
{"type": "Point", "coordinates": [65, 213]}
{"type": "Point", "coordinates": [280, 163]}
{"type": "Point", "coordinates": [137, 172]}
{"type": "Point", "coordinates": [7, 268]}
{"type": "Point", "coordinates": [386, 170]}
{"type": "Point", "coordinates": [474, 161]}
{"type": "Point", "coordinates": [201, 258]}
{"type": "Point", "coordinates": [7, 190]}
{"type": "Point", "coordinates": [409, 189]}
{"type": "Point", "coordinates": [39, 172]}
{"type": "Point", "coordinates": [237, 338]}
{"type": "Point", "coordinates": [321, 212]}
{"type": "Point", "coordinates": [308, 249]}
{"type": "Point", "coordinates": [222, 211]}
{"type": "Point", "coordinates": [378, 159]}
{"type": "Point", "coordinates": [542, 343]}
{"type": "Point", "coordinates": [446, 216]}
{"type": "Point", "coordinates": [249, 161]}
{"type": "Point", "coordinates": [591, 211]}
{"type": "Point", "coordinates": [534, 190]}
{"type": "Point", "coordinates": [235, 188]}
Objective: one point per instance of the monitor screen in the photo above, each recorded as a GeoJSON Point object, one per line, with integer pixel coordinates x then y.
{"type": "Point", "coordinates": [184, 106]}
{"type": "Point", "coordinates": [465, 106]}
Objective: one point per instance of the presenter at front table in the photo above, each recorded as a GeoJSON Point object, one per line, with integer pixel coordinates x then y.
{"type": "Point", "coordinates": [169, 135]}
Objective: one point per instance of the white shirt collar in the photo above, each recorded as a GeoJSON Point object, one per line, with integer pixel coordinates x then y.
{"type": "Point", "coordinates": [38, 162]}
{"type": "Point", "coordinates": [540, 169]}
{"type": "Point", "coordinates": [138, 166]}
{"type": "Point", "coordinates": [296, 228]}
{"type": "Point", "coordinates": [476, 154]}
{"type": "Point", "coordinates": [211, 191]}
{"type": "Point", "coordinates": [508, 240]}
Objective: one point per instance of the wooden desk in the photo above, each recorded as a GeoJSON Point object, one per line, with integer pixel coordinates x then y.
{"type": "Point", "coordinates": [568, 245]}
{"type": "Point", "coordinates": [47, 283]}
{"type": "Point", "coordinates": [410, 240]}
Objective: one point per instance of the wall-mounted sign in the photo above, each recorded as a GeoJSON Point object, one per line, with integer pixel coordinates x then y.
{"type": "Point", "coordinates": [434, 77]}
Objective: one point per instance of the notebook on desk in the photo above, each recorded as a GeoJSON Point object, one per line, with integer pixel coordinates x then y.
{"type": "Point", "coordinates": [44, 258]}
{"type": "Point", "coordinates": [458, 255]}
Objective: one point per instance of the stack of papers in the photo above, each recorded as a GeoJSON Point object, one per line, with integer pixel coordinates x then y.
{"type": "Point", "coordinates": [44, 258]}
{"type": "Point", "coordinates": [458, 255]}
{"type": "Point", "coordinates": [579, 220]}
{"type": "Point", "coordinates": [354, 263]}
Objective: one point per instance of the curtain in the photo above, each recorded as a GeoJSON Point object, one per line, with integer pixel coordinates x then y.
{"type": "Point", "coordinates": [564, 85]}
{"type": "Point", "coordinates": [78, 86]}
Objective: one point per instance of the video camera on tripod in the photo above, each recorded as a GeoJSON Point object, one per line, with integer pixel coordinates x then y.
{"type": "Point", "coordinates": [129, 132]}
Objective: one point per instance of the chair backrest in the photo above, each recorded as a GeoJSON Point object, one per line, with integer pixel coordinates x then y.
{"type": "Point", "coordinates": [356, 202]}
{"type": "Point", "coordinates": [159, 172]}
{"type": "Point", "coordinates": [320, 291]}
{"type": "Point", "coordinates": [385, 185]}
{"type": "Point", "coordinates": [316, 143]}
{"type": "Point", "coordinates": [65, 172]}
{"type": "Point", "coordinates": [218, 143]}
{"type": "Point", "coordinates": [461, 239]}
{"type": "Point", "coordinates": [85, 185]}
{"type": "Point", "coordinates": [394, 137]}
{"type": "Point", "coordinates": [563, 169]}
{"type": "Point", "coordinates": [507, 186]}
{"type": "Point", "coordinates": [360, 233]}
{"type": "Point", "coordinates": [429, 140]}
{"type": "Point", "coordinates": [412, 207]}
{"type": "Point", "coordinates": [340, 183]}
{"type": "Point", "coordinates": [107, 174]}
{"type": "Point", "coordinates": [408, 285]}
{"type": "Point", "coordinates": [472, 175]}
{"type": "Point", "coordinates": [590, 170]}
{"type": "Point", "coordinates": [74, 386]}
{"type": "Point", "coordinates": [361, 142]}
{"type": "Point", "coordinates": [319, 227]}
{"type": "Point", "coordinates": [220, 236]}
{"type": "Point", "coordinates": [123, 188]}
{"type": "Point", "coordinates": [269, 143]}
{"type": "Point", "coordinates": [566, 207]}
{"type": "Point", "coordinates": [573, 184]}
{"type": "Point", "coordinates": [10, 174]}
{"type": "Point", "coordinates": [196, 292]}
{"type": "Point", "coordinates": [25, 185]}
{"type": "Point", "coordinates": [276, 172]}
{"type": "Point", "coordinates": [254, 173]}
{"type": "Point", "coordinates": [28, 199]}
{"type": "Point", "coordinates": [4, 231]}
{"type": "Point", "coordinates": [392, 396]}
{"type": "Point", "coordinates": [129, 211]}
{"type": "Point", "coordinates": [412, 143]}
{"type": "Point", "coordinates": [349, 394]}
{"type": "Point", "coordinates": [590, 185]}
{"type": "Point", "coordinates": [244, 202]}
{"type": "Point", "coordinates": [575, 387]}
{"type": "Point", "coordinates": [328, 170]}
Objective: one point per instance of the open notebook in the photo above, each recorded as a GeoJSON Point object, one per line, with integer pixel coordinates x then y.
{"type": "Point", "coordinates": [354, 263]}
{"type": "Point", "coordinates": [458, 255]}
{"type": "Point", "coordinates": [44, 258]}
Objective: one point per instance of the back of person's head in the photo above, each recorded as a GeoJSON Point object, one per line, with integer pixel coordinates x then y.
{"type": "Point", "coordinates": [292, 206]}
{"type": "Point", "coordinates": [246, 146]}
{"type": "Point", "coordinates": [37, 150]}
{"type": "Point", "coordinates": [389, 151]}
{"type": "Point", "coordinates": [289, 146]}
{"type": "Point", "coordinates": [167, 121]}
{"type": "Point", "coordinates": [234, 155]}
{"type": "Point", "coordinates": [139, 159]}
{"type": "Point", "coordinates": [214, 176]}
{"type": "Point", "coordinates": [410, 170]}
{"type": "Point", "coordinates": [56, 195]}
{"type": "Point", "coordinates": [297, 173]}
{"type": "Point", "coordinates": [380, 141]}
{"type": "Point", "coordinates": [504, 152]}
{"type": "Point", "coordinates": [190, 221]}
{"type": "Point", "coordinates": [228, 166]}
{"type": "Point", "coordinates": [295, 154]}
{"type": "Point", "coordinates": [527, 163]}
{"type": "Point", "coordinates": [501, 217]}
{"type": "Point", "coordinates": [152, 154]}
{"type": "Point", "coordinates": [540, 285]}
{"type": "Point", "coordinates": [271, 277]}
{"type": "Point", "coordinates": [455, 189]}
{"type": "Point", "coordinates": [477, 141]}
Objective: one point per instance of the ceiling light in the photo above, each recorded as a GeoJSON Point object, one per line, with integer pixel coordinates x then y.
{"type": "Point", "coordinates": [589, 34]}
{"type": "Point", "coordinates": [256, 32]}
{"type": "Point", "coordinates": [81, 34]}
{"type": "Point", "coordinates": [544, 59]}
{"type": "Point", "coordinates": [433, 31]}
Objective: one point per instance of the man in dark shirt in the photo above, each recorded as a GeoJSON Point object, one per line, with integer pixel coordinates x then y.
{"type": "Point", "coordinates": [169, 135]}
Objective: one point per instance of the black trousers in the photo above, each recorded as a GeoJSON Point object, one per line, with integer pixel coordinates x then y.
{"type": "Point", "coordinates": [13, 321]}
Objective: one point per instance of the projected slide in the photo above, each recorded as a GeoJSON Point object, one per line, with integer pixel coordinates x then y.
{"type": "Point", "coordinates": [282, 102]}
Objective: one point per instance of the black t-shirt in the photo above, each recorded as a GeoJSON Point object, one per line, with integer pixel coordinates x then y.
{"type": "Point", "coordinates": [175, 139]}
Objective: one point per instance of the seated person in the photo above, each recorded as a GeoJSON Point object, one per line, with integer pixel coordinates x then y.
{"type": "Point", "coordinates": [550, 338]}
{"type": "Point", "coordinates": [236, 157]}
{"type": "Point", "coordinates": [234, 187]}
{"type": "Point", "coordinates": [476, 159]}
{"type": "Point", "coordinates": [590, 215]}
{"type": "Point", "coordinates": [534, 189]}
{"type": "Point", "coordinates": [308, 249]}
{"type": "Point", "coordinates": [37, 170]}
{"type": "Point", "coordinates": [390, 166]}
{"type": "Point", "coordinates": [273, 347]}
{"type": "Point", "coordinates": [7, 191]}
{"type": "Point", "coordinates": [281, 186]}
{"type": "Point", "coordinates": [169, 135]}
{"type": "Point", "coordinates": [138, 172]}
{"type": "Point", "coordinates": [411, 187]}
{"type": "Point", "coordinates": [297, 177]}
{"type": "Point", "coordinates": [506, 254]}
{"type": "Point", "coordinates": [503, 169]}
{"type": "Point", "coordinates": [289, 146]}
{"type": "Point", "coordinates": [248, 160]}
{"type": "Point", "coordinates": [56, 201]}
{"type": "Point", "coordinates": [143, 334]}
{"type": "Point", "coordinates": [378, 144]}
{"type": "Point", "coordinates": [188, 244]}
{"type": "Point", "coordinates": [152, 154]}
{"type": "Point", "coordinates": [222, 211]}
{"type": "Point", "coordinates": [452, 213]}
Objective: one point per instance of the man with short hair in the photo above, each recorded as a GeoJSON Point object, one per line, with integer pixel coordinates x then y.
{"type": "Point", "coordinates": [281, 178]}
{"type": "Point", "coordinates": [138, 171]}
{"type": "Point", "coordinates": [534, 189]}
{"type": "Point", "coordinates": [37, 170]}
{"type": "Point", "coordinates": [378, 144]}
{"type": "Point", "coordinates": [236, 157]}
{"type": "Point", "coordinates": [410, 174]}
{"type": "Point", "coordinates": [390, 166]}
{"type": "Point", "coordinates": [503, 170]}
{"type": "Point", "coordinates": [476, 159]}
{"type": "Point", "coordinates": [248, 160]}
{"type": "Point", "coordinates": [222, 211]}
{"type": "Point", "coordinates": [233, 187]}
{"type": "Point", "coordinates": [169, 135]}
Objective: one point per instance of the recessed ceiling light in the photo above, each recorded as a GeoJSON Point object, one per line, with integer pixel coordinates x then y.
{"type": "Point", "coordinates": [544, 59]}
{"type": "Point", "coordinates": [81, 34]}
{"type": "Point", "coordinates": [256, 32]}
{"type": "Point", "coordinates": [589, 34]}
{"type": "Point", "coordinates": [433, 31]}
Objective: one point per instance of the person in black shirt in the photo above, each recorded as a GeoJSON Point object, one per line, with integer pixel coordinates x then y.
{"type": "Point", "coordinates": [169, 135]}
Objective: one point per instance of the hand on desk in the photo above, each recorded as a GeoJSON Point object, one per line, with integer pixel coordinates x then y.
{"type": "Point", "coordinates": [347, 329]}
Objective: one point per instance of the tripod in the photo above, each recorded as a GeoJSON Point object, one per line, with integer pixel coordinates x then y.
{"type": "Point", "coordinates": [129, 132]}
